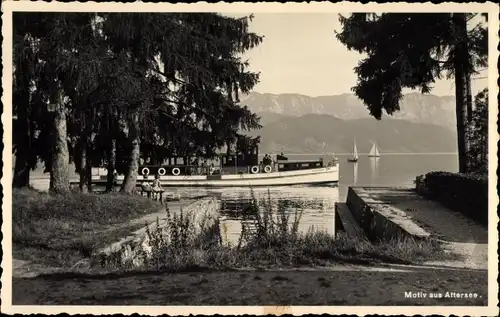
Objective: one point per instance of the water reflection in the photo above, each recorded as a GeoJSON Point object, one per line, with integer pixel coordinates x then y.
{"type": "Point", "coordinates": [236, 209]}
{"type": "Point", "coordinates": [355, 172]}
{"type": "Point", "coordinates": [316, 204]}
{"type": "Point", "coordinates": [374, 162]}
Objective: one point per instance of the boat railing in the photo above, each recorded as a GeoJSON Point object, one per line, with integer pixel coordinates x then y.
{"type": "Point", "coordinates": [216, 169]}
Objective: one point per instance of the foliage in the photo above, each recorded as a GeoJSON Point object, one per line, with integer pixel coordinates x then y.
{"type": "Point", "coordinates": [408, 50]}
{"type": "Point", "coordinates": [179, 74]}
{"type": "Point", "coordinates": [465, 193]}
{"type": "Point", "coordinates": [413, 50]}
{"type": "Point", "coordinates": [61, 230]}
{"type": "Point", "coordinates": [478, 134]}
{"type": "Point", "coordinates": [270, 239]}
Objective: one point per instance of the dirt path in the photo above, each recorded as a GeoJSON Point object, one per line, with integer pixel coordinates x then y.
{"type": "Point", "coordinates": [23, 268]}
{"type": "Point", "coordinates": [465, 238]}
{"type": "Point", "coordinates": [472, 255]}
{"type": "Point", "coordinates": [257, 288]}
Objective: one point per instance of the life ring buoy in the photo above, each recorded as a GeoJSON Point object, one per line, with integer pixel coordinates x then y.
{"type": "Point", "coordinates": [255, 169]}
{"type": "Point", "coordinates": [268, 169]}
{"type": "Point", "coordinates": [176, 171]}
{"type": "Point", "coordinates": [145, 171]}
{"type": "Point", "coordinates": [162, 171]}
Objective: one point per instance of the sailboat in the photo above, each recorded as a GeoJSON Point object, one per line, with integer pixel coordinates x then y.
{"type": "Point", "coordinates": [355, 156]}
{"type": "Point", "coordinates": [374, 151]}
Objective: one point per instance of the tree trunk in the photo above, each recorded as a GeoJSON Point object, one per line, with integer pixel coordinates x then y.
{"type": "Point", "coordinates": [130, 180]}
{"type": "Point", "coordinates": [111, 165]}
{"type": "Point", "coordinates": [21, 171]}
{"type": "Point", "coordinates": [88, 168]}
{"type": "Point", "coordinates": [228, 150]}
{"type": "Point", "coordinates": [461, 108]}
{"type": "Point", "coordinates": [89, 137]}
{"type": "Point", "coordinates": [461, 78]}
{"type": "Point", "coordinates": [59, 173]}
{"type": "Point", "coordinates": [23, 151]}
{"type": "Point", "coordinates": [82, 170]}
{"type": "Point", "coordinates": [85, 167]}
{"type": "Point", "coordinates": [22, 138]}
{"type": "Point", "coordinates": [469, 101]}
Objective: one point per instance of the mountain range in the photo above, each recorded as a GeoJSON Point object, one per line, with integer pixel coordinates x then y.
{"type": "Point", "coordinates": [415, 107]}
{"type": "Point", "coordinates": [296, 123]}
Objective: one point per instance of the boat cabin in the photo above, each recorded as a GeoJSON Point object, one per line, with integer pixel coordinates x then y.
{"type": "Point", "coordinates": [242, 162]}
{"type": "Point", "coordinates": [299, 165]}
{"type": "Point", "coordinates": [243, 158]}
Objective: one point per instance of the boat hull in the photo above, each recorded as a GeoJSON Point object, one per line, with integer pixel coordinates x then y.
{"type": "Point", "coordinates": [325, 175]}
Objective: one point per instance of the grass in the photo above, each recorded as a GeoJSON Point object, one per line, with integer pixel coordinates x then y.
{"type": "Point", "coordinates": [272, 240]}
{"type": "Point", "coordinates": [61, 230]}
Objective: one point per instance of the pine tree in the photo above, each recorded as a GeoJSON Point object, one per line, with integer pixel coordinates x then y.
{"type": "Point", "coordinates": [24, 54]}
{"type": "Point", "coordinates": [194, 55]}
{"type": "Point", "coordinates": [478, 135]}
{"type": "Point", "coordinates": [412, 51]}
{"type": "Point", "coordinates": [112, 88]}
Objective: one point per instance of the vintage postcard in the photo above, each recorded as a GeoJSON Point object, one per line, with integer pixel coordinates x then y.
{"type": "Point", "coordinates": [249, 158]}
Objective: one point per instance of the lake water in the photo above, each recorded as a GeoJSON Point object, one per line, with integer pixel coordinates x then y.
{"type": "Point", "coordinates": [317, 203]}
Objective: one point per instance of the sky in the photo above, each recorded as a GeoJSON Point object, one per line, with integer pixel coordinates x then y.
{"type": "Point", "coordinates": [300, 54]}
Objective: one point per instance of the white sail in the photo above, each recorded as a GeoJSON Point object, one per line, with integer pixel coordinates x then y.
{"type": "Point", "coordinates": [355, 151]}
{"type": "Point", "coordinates": [374, 151]}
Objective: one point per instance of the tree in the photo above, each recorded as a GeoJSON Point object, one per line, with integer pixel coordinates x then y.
{"type": "Point", "coordinates": [412, 51]}
{"type": "Point", "coordinates": [24, 53]}
{"type": "Point", "coordinates": [60, 69]}
{"type": "Point", "coordinates": [190, 66]}
{"type": "Point", "coordinates": [478, 134]}
{"type": "Point", "coordinates": [111, 88]}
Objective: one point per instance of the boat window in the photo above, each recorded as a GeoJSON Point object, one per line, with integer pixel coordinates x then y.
{"type": "Point", "coordinates": [305, 165]}
{"type": "Point", "coordinates": [281, 165]}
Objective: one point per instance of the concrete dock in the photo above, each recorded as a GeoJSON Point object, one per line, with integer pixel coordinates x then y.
{"type": "Point", "coordinates": [385, 212]}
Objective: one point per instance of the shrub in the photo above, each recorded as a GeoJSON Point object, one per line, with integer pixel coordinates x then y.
{"type": "Point", "coordinates": [465, 193]}
{"type": "Point", "coordinates": [272, 240]}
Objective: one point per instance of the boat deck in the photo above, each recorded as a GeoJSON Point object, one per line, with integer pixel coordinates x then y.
{"type": "Point", "coordinates": [321, 175]}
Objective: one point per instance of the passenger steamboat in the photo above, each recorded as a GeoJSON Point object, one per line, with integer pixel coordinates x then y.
{"type": "Point", "coordinates": [240, 170]}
